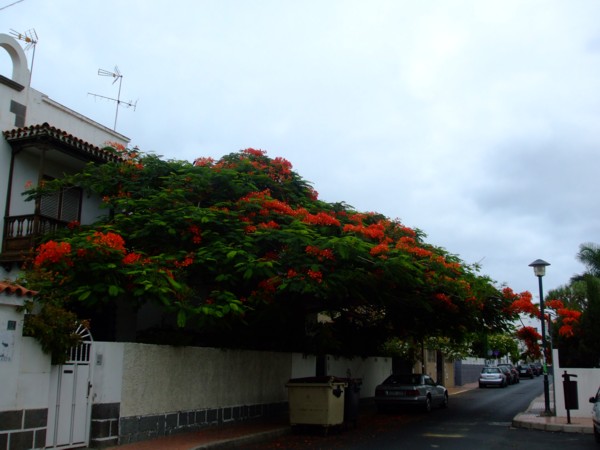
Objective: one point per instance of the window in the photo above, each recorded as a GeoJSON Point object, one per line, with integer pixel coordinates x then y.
{"type": "Point", "coordinates": [64, 205]}
{"type": "Point", "coordinates": [19, 111]}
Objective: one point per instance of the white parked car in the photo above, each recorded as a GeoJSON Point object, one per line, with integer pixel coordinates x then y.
{"type": "Point", "coordinates": [492, 376]}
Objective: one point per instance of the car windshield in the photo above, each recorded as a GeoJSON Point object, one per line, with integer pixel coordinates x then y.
{"type": "Point", "coordinates": [490, 370]}
{"type": "Point", "coordinates": [403, 379]}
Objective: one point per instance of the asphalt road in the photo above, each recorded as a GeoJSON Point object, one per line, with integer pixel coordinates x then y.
{"type": "Point", "coordinates": [479, 419]}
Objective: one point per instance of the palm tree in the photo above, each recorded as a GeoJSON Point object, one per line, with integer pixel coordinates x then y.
{"type": "Point", "coordinates": [589, 256]}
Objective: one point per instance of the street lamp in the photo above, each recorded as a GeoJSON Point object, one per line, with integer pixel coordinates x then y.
{"type": "Point", "coordinates": [539, 269]}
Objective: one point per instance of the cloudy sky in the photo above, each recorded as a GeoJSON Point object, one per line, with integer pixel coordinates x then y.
{"type": "Point", "coordinates": [474, 121]}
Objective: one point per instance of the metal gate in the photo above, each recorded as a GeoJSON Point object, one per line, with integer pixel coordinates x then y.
{"type": "Point", "coordinates": [69, 404]}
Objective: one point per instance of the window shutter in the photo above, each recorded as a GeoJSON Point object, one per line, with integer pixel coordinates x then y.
{"type": "Point", "coordinates": [49, 205]}
{"type": "Point", "coordinates": [71, 201]}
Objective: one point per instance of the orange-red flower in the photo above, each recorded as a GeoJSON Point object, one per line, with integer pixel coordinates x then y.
{"type": "Point", "coordinates": [109, 239]}
{"type": "Point", "coordinates": [53, 252]}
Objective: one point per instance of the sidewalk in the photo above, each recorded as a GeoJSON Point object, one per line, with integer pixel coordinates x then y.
{"type": "Point", "coordinates": [247, 433]}
{"type": "Point", "coordinates": [533, 418]}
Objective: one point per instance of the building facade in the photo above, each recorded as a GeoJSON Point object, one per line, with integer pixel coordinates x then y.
{"type": "Point", "coordinates": [41, 140]}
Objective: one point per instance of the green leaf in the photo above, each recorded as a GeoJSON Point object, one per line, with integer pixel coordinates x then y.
{"type": "Point", "coordinates": [113, 290]}
{"type": "Point", "coordinates": [181, 318]}
{"type": "Point", "coordinates": [173, 283]}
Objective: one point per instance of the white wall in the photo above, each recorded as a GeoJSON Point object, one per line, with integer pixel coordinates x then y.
{"type": "Point", "coordinates": [303, 365]}
{"type": "Point", "coordinates": [34, 376]}
{"type": "Point", "coordinates": [372, 371]}
{"type": "Point", "coordinates": [588, 381]}
{"type": "Point", "coordinates": [163, 378]}
{"type": "Point", "coordinates": [24, 368]}
{"type": "Point", "coordinates": [10, 351]}
{"type": "Point", "coordinates": [107, 372]}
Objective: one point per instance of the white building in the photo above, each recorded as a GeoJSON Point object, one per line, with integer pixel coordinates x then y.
{"type": "Point", "coordinates": [41, 139]}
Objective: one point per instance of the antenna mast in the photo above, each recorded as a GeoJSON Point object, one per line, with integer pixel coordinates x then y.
{"type": "Point", "coordinates": [30, 37]}
{"type": "Point", "coordinates": [13, 3]}
{"type": "Point", "coordinates": [117, 77]}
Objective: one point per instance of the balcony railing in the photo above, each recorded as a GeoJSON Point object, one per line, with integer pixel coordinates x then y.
{"type": "Point", "coordinates": [22, 233]}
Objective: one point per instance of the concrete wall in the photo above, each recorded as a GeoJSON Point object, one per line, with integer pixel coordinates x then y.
{"type": "Point", "coordinates": [163, 378]}
{"type": "Point", "coordinates": [588, 382]}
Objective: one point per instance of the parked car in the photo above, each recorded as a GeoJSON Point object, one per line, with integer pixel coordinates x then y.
{"type": "Point", "coordinates": [525, 371]}
{"type": "Point", "coordinates": [596, 415]}
{"type": "Point", "coordinates": [514, 373]}
{"type": "Point", "coordinates": [492, 376]}
{"type": "Point", "coordinates": [539, 369]}
{"type": "Point", "coordinates": [507, 373]}
{"type": "Point", "coordinates": [416, 390]}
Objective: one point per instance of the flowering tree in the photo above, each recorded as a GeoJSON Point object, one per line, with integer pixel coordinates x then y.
{"type": "Point", "coordinates": [575, 315]}
{"type": "Point", "coordinates": [563, 319]}
{"type": "Point", "coordinates": [243, 245]}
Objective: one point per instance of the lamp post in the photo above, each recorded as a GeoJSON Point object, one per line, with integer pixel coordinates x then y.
{"type": "Point", "coordinates": [539, 269]}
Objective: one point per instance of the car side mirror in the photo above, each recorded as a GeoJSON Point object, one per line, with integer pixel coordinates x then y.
{"type": "Point", "coordinates": [592, 399]}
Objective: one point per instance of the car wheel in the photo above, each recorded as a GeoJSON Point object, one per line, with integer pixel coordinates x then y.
{"type": "Point", "coordinates": [596, 434]}
{"type": "Point", "coordinates": [481, 386]}
{"type": "Point", "coordinates": [445, 401]}
{"type": "Point", "coordinates": [427, 404]}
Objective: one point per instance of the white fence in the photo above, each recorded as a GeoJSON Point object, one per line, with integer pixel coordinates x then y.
{"type": "Point", "coordinates": [138, 391]}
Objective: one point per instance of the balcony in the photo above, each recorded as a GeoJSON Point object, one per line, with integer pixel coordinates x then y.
{"type": "Point", "coordinates": [22, 234]}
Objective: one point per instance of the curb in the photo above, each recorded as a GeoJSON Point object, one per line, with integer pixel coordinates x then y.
{"type": "Point", "coordinates": [523, 420]}
{"type": "Point", "coordinates": [534, 421]}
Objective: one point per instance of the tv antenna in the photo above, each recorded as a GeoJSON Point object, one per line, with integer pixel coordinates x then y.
{"type": "Point", "coordinates": [116, 74]}
{"type": "Point", "coordinates": [30, 38]}
{"type": "Point", "coordinates": [13, 3]}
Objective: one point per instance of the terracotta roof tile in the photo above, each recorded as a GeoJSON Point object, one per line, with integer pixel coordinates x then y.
{"type": "Point", "coordinates": [46, 131]}
{"type": "Point", "coordinates": [9, 288]}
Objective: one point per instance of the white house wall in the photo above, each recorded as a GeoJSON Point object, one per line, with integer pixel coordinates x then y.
{"type": "Point", "coordinates": [74, 123]}
{"type": "Point", "coordinates": [26, 170]}
{"type": "Point", "coordinates": [24, 378]}
{"type": "Point", "coordinates": [11, 351]}
{"type": "Point", "coordinates": [34, 373]}
{"type": "Point", "coordinates": [24, 368]}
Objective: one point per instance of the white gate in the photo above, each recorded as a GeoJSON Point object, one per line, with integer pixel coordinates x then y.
{"type": "Point", "coordinates": [69, 407]}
